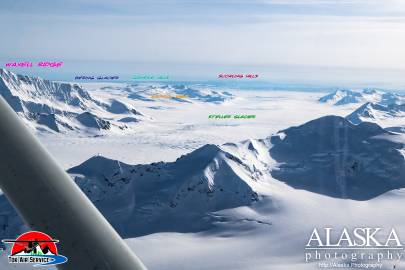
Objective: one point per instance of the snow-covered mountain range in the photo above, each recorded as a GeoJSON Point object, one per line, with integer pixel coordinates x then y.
{"type": "Point", "coordinates": [171, 93]}
{"type": "Point", "coordinates": [384, 108]}
{"type": "Point", "coordinates": [62, 107]}
{"type": "Point", "coordinates": [338, 159]}
{"type": "Point", "coordinates": [345, 96]}
{"type": "Point", "coordinates": [209, 179]}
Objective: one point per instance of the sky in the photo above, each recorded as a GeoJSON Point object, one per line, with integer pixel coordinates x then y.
{"type": "Point", "coordinates": [313, 41]}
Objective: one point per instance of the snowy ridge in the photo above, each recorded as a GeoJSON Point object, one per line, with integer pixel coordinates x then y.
{"type": "Point", "coordinates": [372, 112]}
{"type": "Point", "coordinates": [399, 129]}
{"type": "Point", "coordinates": [208, 179]}
{"type": "Point", "coordinates": [343, 97]}
{"type": "Point", "coordinates": [43, 95]}
{"type": "Point", "coordinates": [61, 107]}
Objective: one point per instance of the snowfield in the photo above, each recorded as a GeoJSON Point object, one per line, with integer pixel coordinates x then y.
{"type": "Point", "coordinates": [177, 128]}
{"type": "Point", "coordinates": [189, 192]}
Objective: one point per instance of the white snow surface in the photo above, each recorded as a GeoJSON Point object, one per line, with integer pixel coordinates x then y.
{"type": "Point", "coordinates": [239, 233]}
{"type": "Point", "coordinates": [177, 128]}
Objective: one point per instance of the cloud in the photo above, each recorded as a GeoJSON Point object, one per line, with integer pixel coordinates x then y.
{"type": "Point", "coordinates": [175, 34]}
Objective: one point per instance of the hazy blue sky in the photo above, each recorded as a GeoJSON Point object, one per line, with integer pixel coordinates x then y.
{"type": "Point", "coordinates": [327, 40]}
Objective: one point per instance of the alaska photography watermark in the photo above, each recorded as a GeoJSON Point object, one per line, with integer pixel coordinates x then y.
{"type": "Point", "coordinates": [361, 247]}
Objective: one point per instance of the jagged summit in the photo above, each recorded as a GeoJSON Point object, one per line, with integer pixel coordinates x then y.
{"type": "Point", "coordinates": [61, 107]}
{"type": "Point", "coordinates": [372, 112]}
{"type": "Point", "coordinates": [205, 180]}
{"type": "Point", "coordinates": [341, 97]}
{"type": "Point", "coordinates": [37, 90]}
{"type": "Point", "coordinates": [98, 166]}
